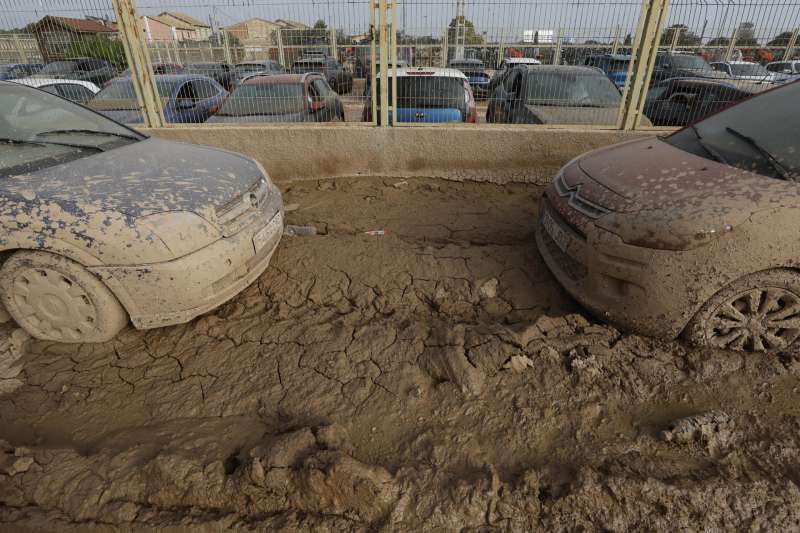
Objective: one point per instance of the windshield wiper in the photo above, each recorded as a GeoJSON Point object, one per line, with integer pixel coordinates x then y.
{"type": "Point", "coordinates": [46, 143]}
{"type": "Point", "coordinates": [774, 163]}
{"type": "Point", "coordinates": [89, 132]}
{"type": "Point", "coordinates": [713, 153]}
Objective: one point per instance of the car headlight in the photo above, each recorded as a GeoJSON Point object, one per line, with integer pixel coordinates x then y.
{"type": "Point", "coordinates": [182, 232]}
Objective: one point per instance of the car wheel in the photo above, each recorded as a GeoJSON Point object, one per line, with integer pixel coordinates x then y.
{"type": "Point", "coordinates": [56, 299]}
{"type": "Point", "coordinates": [757, 313]}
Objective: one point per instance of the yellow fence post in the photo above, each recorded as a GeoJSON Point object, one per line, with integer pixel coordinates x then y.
{"type": "Point", "coordinates": [139, 62]}
{"type": "Point", "coordinates": [384, 61]}
{"type": "Point", "coordinates": [643, 58]}
{"type": "Point", "coordinates": [787, 55]}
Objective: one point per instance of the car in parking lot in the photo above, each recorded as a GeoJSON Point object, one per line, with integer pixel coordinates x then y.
{"type": "Point", "coordinates": [185, 98]}
{"type": "Point", "coordinates": [429, 95]}
{"type": "Point", "coordinates": [505, 68]}
{"type": "Point", "coordinates": [689, 234]}
{"type": "Point", "coordinates": [102, 225]}
{"type": "Point", "coordinates": [679, 65]}
{"type": "Point", "coordinates": [97, 71]}
{"type": "Point", "coordinates": [475, 71]}
{"type": "Point", "coordinates": [790, 69]}
{"type": "Point", "coordinates": [682, 101]}
{"type": "Point", "coordinates": [75, 90]}
{"type": "Point", "coordinates": [222, 73]}
{"type": "Point", "coordinates": [335, 74]}
{"type": "Point", "coordinates": [248, 68]}
{"type": "Point", "coordinates": [281, 98]}
{"type": "Point", "coordinates": [160, 68]}
{"type": "Point", "coordinates": [614, 65]}
{"type": "Point", "coordinates": [746, 70]}
{"type": "Point", "coordinates": [555, 94]}
{"type": "Point", "coordinates": [13, 71]}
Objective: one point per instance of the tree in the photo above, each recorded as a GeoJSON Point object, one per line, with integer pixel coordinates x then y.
{"type": "Point", "coordinates": [719, 41]}
{"type": "Point", "coordinates": [100, 47]}
{"type": "Point", "coordinates": [686, 37]}
{"type": "Point", "coordinates": [781, 39]}
{"type": "Point", "coordinates": [470, 35]}
{"type": "Point", "coordinates": [320, 25]}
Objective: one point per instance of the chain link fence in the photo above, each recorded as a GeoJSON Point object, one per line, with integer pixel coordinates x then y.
{"type": "Point", "coordinates": [601, 63]}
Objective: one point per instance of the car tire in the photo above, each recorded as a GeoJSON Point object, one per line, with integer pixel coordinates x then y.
{"type": "Point", "coordinates": [56, 299]}
{"type": "Point", "coordinates": [759, 312]}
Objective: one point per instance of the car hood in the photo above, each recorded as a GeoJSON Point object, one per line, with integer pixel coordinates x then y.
{"type": "Point", "coordinates": [123, 116]}
{"type": "Point", "coordinates": [677, 199]}
{"type": "Point", "coordinates": [144, 178]}
{"type": "Point", "coordinates": [574, 115]}
{"type": "Point", "coordinates": [701, 73]}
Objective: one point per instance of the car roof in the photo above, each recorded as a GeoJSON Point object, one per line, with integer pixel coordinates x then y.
{"type": "Point", "coordinates": [742, 85]}
{"type": "Point", "coordinates": [735, 63]}
{"type": "Point", "coordinates": [255, 62]}
{"type": "Point", "coordinates": [41, 82]}
{"type": "Point", "coordinates": [563, 68]}
{"type": "Point", "coordinates": [466, 61]}
{"type": "Point", "coordinates": [420, 72]}
{"type": "Point", "coordinates": [276, 79]}
{"type": "Point", "coordinates": [522, 61]}
{"type": "Point", "coordinates": [615, 57]}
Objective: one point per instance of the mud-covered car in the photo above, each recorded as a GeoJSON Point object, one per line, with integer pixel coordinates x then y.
{"type": "Point", "coordinates": [101, 224]}
{"type": "Point", "coordinates": [692, 233]}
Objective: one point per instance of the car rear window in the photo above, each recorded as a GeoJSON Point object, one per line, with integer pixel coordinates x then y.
{"type": "Point", "coordinates": [571, 88]}
{"type": "Point", "coordinates": [58, 67]}
{"type": "Point", "coordinates": [265, 99]}
{"type": "Point", "coordinates": [302, 67]}
{"type": "Point", "coordinates": [428, 92]}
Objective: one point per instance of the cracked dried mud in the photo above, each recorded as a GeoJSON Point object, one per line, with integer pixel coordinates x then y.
{"type": "Point", "coordinates": [433, 378]}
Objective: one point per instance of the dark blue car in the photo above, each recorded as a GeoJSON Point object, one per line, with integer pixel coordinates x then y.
{"type": "Point", "coordinates": [614, 65]}
{"type": "Point", "coordinates": [475, 71]}
{"type": "Point", "coordinates": [15, 71]}
{"type": "Point", "coordinates": [185, 97]}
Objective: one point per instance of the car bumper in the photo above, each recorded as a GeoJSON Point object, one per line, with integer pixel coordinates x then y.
{"type": "Point", "coordinates": [174, 292]}
{"type": "Point", "coordinates": [631, 287]}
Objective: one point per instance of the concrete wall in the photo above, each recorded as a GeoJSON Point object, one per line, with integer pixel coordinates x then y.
{"type": "Point", "coordinates": [499, 154]}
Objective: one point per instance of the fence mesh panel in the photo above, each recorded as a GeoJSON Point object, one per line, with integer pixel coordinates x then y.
{"type": "Point", "coordinates": [551, 62]}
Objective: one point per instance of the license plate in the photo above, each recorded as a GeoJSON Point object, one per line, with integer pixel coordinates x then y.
{"type": "Point", "coordinates": [552, 228]}
{"type": "Point", "coordinates": [268, 233]}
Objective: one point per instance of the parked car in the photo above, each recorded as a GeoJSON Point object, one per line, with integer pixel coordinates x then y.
{"type": "Point", "coordinates": [691, 233]}
{"type": "Point", "coordinates": [102, 225]}
{"type": "Point", "coordinates": [185, 97]}
{"type": "Point", "coordinates": [222, 73]}
{"type": "Point", "coordinates": [553, 94]}
{"type": "Point", "coordinates": [614, 65]}
{"type": "Point", "coordinates": [475, 71]}
{"type": "Point", "coordinates": [431, 95]}
{"type": "Point", "coordinates": [335, 74]}
{"type": "Point", "coordinates": [248, 68]}
{"type": "Point", "coordinates": [281, 98]}
{"type": "Point", "coordinates": [160, 68]}
{"type": "Point", "coordinates": [791, 69]}
{"type": "Point", "coordinates": [682, 101]}
{"type": "Point", "coordinates": [15, 71]}
{"type": "Point", "coordinates": [75, 90]}
{"type": "Point", "coordinates": [676, 65]}
{"type": "Point", "coordinates": [505, 68]}
{"type": "Point", "coordinates": [745, 70]}
{"type": "Point", "coordinates": [90, 69]}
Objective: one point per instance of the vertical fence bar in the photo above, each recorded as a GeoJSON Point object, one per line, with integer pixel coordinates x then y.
{"type": "Point", "coordinates": [138, 58]}
{"type": "Point", "coordinates": [617, 33]}
{"type": "Point", "coordinates": [383, 12]}
{"type": "Point", "coordinates": [557, 54]}
{"type": "Point", "coordinates": [393, 35]}
{"type": "Point", "coordinates": [675, 36]}
{"type": "Point", "coordinates": [372, 62]}
{"type": "Point", "coordinates": [787, 54]}
{"type": "Point", "coordinates": [334, 53]}
{"type": "Point", "coordinates": [731, 45]}
{"type": "Point", "coordinates": [281, 51]}
{"type": "Point", "coordinates": [226, 47]}
{"type": "Point", "coordinates": [648, 36]}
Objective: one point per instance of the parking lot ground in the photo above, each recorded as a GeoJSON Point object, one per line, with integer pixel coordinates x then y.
{"type": "Point", "coordinates": [432, 377]}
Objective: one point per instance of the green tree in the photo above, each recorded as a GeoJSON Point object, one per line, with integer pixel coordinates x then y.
{"type": "Point", "coordinates": [781, 39]}
{"type": "Point", "coordinates": [719, 41]}
{"type": "Point", "coordinates": [100, 47]}
{"type": "Point", "coordinates": [686, 37]}
{"type": "Point", "coordinates": [320, 25]}
{"type": "Point", "coordinates": [470, 35]}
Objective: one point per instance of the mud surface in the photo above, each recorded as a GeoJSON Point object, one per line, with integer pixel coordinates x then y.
{"type": "Point", "coordinates": [431, 378]}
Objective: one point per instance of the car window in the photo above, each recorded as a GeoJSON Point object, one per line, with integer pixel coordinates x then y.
{"type": "Point", "coordinates": [52, 89]}
{"type": "Point", "coordinates": [657, 92]}
{"type": "Point", "coordinates": [512, 78]}
{"type": "Point", "coordinates": [85, 66]}
{"type": "Point", "coordinates": [776, 67]}
{"type": "Point", "coordinates": [186, 93]}
{"type": "Point", "coordinates": [321, 87]}
{"type": "Point", "coordinates": [204, 89]}
{"type": "Point", "coordinates": [74, 92]}
{"type": "Point", "coordinates": [573, 88]}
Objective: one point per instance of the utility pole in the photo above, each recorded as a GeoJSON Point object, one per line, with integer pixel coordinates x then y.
{"type": "Point", "coordinates": [461, 29]}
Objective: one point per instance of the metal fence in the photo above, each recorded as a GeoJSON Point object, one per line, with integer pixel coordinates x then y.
{"type": "Point", "coordinates": [602, 63]}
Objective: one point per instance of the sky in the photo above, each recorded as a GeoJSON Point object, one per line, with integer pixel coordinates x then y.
{"type": "Point", "coordinates": [505, 20]}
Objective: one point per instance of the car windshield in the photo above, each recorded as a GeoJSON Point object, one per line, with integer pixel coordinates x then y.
{"type": "Point", "coordinates": [733, 137]}
{"type": "Point", "coordinates": [37, 127]}
{"type": "Point", "coordinates": [58, 67]}
{"type": "Point", "coordinates": [120, 95]}
{"type": "Point", "coordinates": [748, 69]}
{"type": "Point", "coordinates": [690, 62]}
{"type": "Point", "coordinates": [265, 99]}
{"type": "Point", "coordinates": [302, 67]}
{"type": "Point", "coordinates": [428, 92]}
{"type": "Point", "coordinates": [249, 68]}
{"type": "Point", "coordinates": [571, 89]}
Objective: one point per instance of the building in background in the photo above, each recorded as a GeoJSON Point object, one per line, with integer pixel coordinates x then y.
{"type": "Point", "coordinates": [55, 35]}
{"type": "Point", "coordinates": [256, 35]}
{"type": "Point", "coordinates": [166, 29]}
{"type": "Point", "coordinates": [202, 30]}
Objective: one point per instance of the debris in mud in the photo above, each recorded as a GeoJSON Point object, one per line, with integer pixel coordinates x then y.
{"type": "Point", "coordinates": [714, 430]}
{"type": "Point", "coordinates": [375, 233]}
{"type": "Point", "coordinates": [518, 363]}
{"type": "Point", "coordinates": [489, 289]}
{"type": "Point", "coordinates": [12, 343]}
{"type": "Point", "coordinates": [13, 461]}
{"type": "Point", "coordinates": [290, 208]}
{"type": "Point", "coordinates": [300, 231]}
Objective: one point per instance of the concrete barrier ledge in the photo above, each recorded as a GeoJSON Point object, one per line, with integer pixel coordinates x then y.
{"type": "Point", "coordinates": [498, 154]}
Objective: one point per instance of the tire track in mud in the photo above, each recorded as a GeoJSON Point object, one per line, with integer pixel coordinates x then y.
{"type": "Point", "coordinates": [431, 378]}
